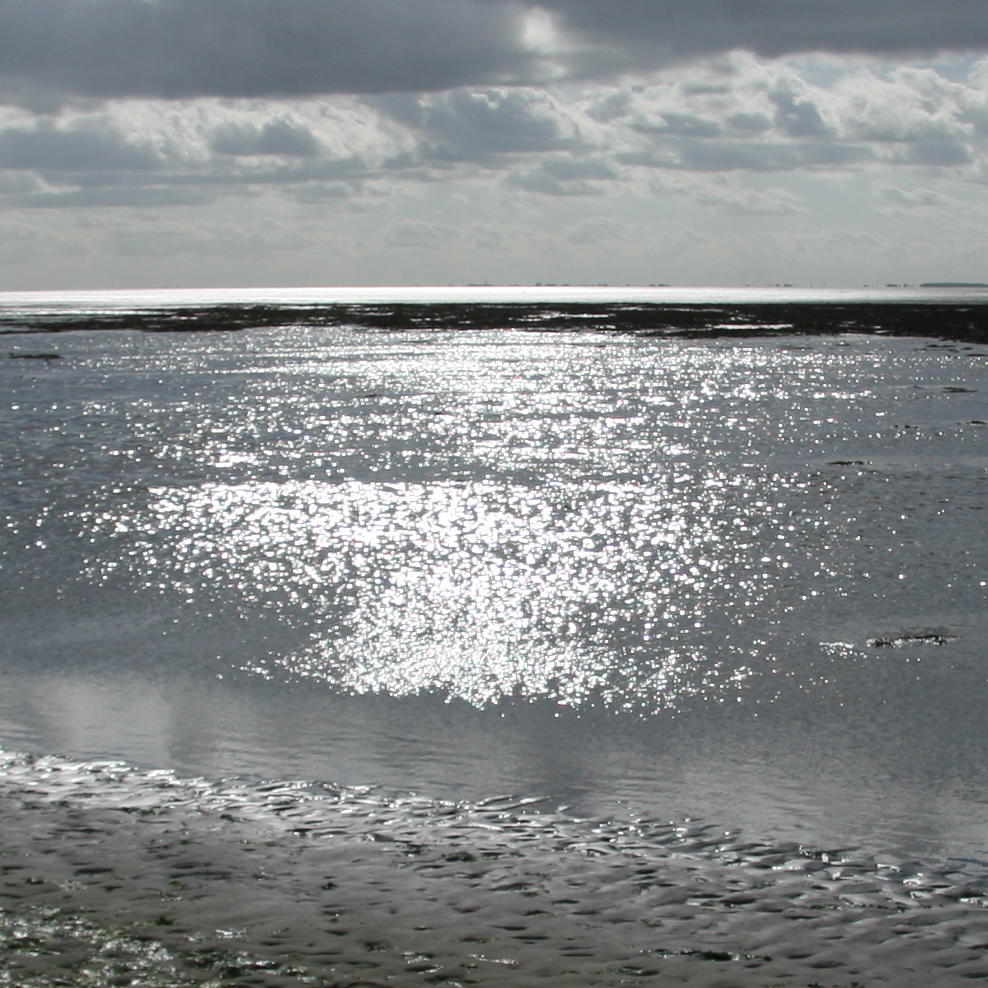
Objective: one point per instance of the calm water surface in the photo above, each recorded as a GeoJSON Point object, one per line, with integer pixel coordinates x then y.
{"type": "Point", "coordinates": [741, 580]}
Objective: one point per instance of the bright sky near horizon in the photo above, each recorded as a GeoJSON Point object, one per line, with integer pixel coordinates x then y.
{"type": "Point", "coordinates": [148, 143]}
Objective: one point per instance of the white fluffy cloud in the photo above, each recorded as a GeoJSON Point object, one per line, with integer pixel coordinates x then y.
{"type": "Point", "coordinates": [734, 115]}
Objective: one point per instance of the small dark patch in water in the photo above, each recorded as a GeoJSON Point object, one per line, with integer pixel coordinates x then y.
{"type": "Point", "coordinates": [935, 637]}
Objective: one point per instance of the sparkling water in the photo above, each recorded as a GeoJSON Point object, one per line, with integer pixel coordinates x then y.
{"type": "Point", "coordinates": [741, 579]}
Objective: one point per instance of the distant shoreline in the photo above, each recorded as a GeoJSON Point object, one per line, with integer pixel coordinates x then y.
{"type": "Point", "coordinates": [954, 284]}
{"type": "Point", "coordinates": [959, 321]}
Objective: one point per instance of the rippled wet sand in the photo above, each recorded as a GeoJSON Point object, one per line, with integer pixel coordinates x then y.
{"type": "Point", "coordinates": [113, 876]}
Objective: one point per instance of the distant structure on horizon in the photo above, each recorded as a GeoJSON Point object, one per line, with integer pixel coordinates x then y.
{"type": "Point", "coordinates": [954, 284]}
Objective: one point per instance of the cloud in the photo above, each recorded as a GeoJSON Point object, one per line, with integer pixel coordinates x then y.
{"type": "Point", "coordinates": [735, 113]}
{"type": "Point", "coordinates": [682, 125]}
{"type": "Point", "coordinates": [278, 49]}
{"type": "Point", "coordinates": [315, 193]}
{"type": "Point", "coordinates": [732, 198]}
{"type": "Point", "coordinates": [418, 235]}
{"type": "Point", "coordinates": [937, 154]}
{"type": "Point", "coordinates": [133, 196]}
{"type": "Point", "coordinates": [739, 114]}
{"type": "Point", "coordinates": [649, 29]}
{"type": "Point", "coordinates": [249, 48]}
{"type": "Point", "coordinates": [276, 137]}
{"type": "Point", "coordinates": [50, 149]}
{"type": "Point", "coordinates": [564, 176]}
{"type": "Point", "coordinates": [162, 153]}
{"type": "Point", "coordinates": [723, 156]}
{"type": "Point", "coordinates": [477, 123]}
{"type": "Point", "coordinates": [751, 121]}
{"type": "Point", "coordinates": [916, 198]}
{"type": "Point", "coordinates": [599, 232]}
{"type": "Point", "coordinates": [899, 203]}
{"type": "Point", "coordinates": [16, 182]}
{"type": "Point", "coordinates": [797, 115]}
{"type": "Point", "coordinates": [907, 105]}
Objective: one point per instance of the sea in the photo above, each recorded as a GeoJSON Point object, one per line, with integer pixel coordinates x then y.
{"type": "Point", "coordinates": [627, 619]}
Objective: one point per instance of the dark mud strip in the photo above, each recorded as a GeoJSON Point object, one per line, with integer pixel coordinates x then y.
{"type": "Point", "coordinates": [958, 322]}
{"type": "Point", "coordinates": [113, 876]}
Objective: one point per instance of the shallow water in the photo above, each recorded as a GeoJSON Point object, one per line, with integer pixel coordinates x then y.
{"type": "Point", "coordinates": [678, 575]}
{"type": "Point", "coordinates": [742, 581]}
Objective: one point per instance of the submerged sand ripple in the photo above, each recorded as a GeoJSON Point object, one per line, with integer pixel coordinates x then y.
{"type": "Point", "coordinates": [114, 876]}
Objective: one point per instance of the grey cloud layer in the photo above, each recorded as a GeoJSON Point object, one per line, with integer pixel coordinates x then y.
{"type": "Point", "coordinates": [778, 27]}
{"type": "Point", "coordinates": [80, 150]}
{"type": "Point", "coordinates": [280, 48]}
{"type": "Point", "coordinates": [242, 48]}
{"type": "Point", "coordinates": [736, 117]}
{"type": "Point", "coordinates": [476, 124]}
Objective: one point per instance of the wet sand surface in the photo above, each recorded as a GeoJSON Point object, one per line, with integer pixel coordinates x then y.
{"type": "Point", "coordinates": [114, 876]}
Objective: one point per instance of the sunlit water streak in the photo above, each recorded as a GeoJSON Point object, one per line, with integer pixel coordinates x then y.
{"type": "Point", "coordinates": [621, 569]}
{"type": "Point", "coordinates": [138, 300]}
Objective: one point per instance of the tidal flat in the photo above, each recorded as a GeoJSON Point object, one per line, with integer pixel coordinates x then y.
{"type": "Point", "coordinates": [112, 876]}
{"type": "Point", "coordinates": [500, 652]}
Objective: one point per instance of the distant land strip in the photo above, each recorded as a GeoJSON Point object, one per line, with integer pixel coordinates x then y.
{"type": "Point", "coordinates": [966, 322]}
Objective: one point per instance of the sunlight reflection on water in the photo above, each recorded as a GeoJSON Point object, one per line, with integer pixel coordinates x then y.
{"type": "Point", "coordinates": [483, 590]}
{"type": "Point", "coordinates": [585, 523]}
{"type": "Point", "coordinates": [610, 568]}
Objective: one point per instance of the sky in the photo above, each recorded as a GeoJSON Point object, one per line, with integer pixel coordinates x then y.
{"type": "Point", "coordinates": [210, 143]}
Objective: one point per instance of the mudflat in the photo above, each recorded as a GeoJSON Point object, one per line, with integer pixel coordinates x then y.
{"type": "Point", "coordinates": [109, 876]}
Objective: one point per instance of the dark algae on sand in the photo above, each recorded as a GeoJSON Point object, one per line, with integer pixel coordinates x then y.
{"type": "Point", "coordinates": [968, 323]}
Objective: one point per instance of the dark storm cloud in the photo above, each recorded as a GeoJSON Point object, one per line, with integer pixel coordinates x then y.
{"type": "Point", "coordinates": [283, 48]}
{"type": "Point", "coordinates": [779, 27]}
{"type": "Point", "coordinates": [243, 48]}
